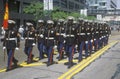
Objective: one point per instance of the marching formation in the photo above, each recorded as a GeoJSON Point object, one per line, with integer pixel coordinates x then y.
{"type": "Point", "coordinates": [69, 37]}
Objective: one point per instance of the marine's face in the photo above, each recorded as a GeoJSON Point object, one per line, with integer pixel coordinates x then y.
{"type": "Point", "coordinates": [50, 25]}
{"type": "Point", "coordinates": [41, 25]}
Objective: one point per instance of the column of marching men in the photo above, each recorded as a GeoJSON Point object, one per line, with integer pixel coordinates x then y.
{"type": "Point", "coordinates": [69, 36]}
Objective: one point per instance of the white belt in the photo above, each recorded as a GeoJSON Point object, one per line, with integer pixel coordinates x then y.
{"type": "Point", "coordinates": [70, 35]}
{"type": "Point", "coordinates": [30, 38]}
{"type": "Point", "coordinates": [49, 38]}
{"type": "Point", "coordinates": [10, 38]}
{"type": "Point", "coordinates": [96, 32]}
{"type": "Point", "coordinates": [40, 34]}
{"type": "Point", "coordinates": [88, 33]}
{"type": "Point", "coordinates": [61, 34]}
{"type": "Point", "coordinates": [82, 33]}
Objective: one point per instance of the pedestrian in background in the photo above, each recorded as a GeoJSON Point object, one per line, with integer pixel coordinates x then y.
{"type": "Point", "coordinates": [21, 31]}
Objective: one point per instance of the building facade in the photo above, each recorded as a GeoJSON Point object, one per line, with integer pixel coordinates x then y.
{"type": "Point", "coordinates": [16, 8]}
{"type": "Point", "coordinates": [102, 4]}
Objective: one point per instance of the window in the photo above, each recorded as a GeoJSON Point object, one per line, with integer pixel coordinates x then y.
{"type": "Point", "coordinates": [102, 4]}
{"type": "Point", "coordinates": [14, 5]}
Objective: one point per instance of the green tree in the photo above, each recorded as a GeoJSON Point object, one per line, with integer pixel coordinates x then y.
{"type": "Point", "coordinates": [75, 14]}
{"type": "Point", "coordinates": [35, 8]}
{"type": "Point", "coordinates": [58, 15]}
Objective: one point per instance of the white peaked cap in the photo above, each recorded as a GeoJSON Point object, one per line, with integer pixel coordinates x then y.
{"type": "Point", "coordinates": [40, 21]}
{"type": "Point", "coordinates": [11, 22]}
{"type": "Point", "coordinates": [28, 23]}
{"type": "Point", "coordinates": [50, 22]}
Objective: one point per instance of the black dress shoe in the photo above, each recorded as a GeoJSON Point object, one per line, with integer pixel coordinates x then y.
{"type": "Point", "coordinates": [28, 62]}
{"type": "Point", "coordinates": [53, 62]}
{"type": "Point", "coordinates": [8, 70]}
{"type": "Point", "coordinates": [79, 61]}
{"type": "Point", "coordinates": [69, 66]}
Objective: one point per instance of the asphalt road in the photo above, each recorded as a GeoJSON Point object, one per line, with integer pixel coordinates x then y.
{"type": "Point", "coordinates": [105, 67]}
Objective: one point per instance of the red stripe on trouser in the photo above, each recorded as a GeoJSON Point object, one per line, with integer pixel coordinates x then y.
{"type": "Point", "coordinates": [30, 55]}
{"type": "Point", "coordinates": [92, 43]}
{"type": "Point", "coordinates": [11, 59]}
{"type": "Point", "coordinates": [51, 55]}
{"type": "Point", "coordinates": [61, 52]}
{"type": "Point", "coordinates": [72, 51]}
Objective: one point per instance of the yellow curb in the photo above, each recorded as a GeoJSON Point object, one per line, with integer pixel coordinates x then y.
{"type": "Point", "coordinates": [32, 64]}
{"type": "Point", "coordinates": [85, 62]}
{"type": "Point", "coordinates": [64, 61]}
{"type": "Point", "coordinates": [2, 70]}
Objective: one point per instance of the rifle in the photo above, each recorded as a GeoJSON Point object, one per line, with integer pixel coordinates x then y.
{"type": "Point", "coordinates": [48, 34]}
{"type": "Point", "coordinates": [5, 44]}
{"type": "Point", "coordinates": [4, 55]}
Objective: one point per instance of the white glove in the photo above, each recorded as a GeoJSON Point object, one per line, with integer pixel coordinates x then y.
{"type": "Point", "coordinates": [4, 48]}
{"type": "Point", "coordinates": [33, 44]}
{"type": "Point", "coordinates": [64, 35]}
{"type": "Point", "coordinates": [86, 42]}
{"type": "Point", "coordinates": [64, 41]}
{"type": "Point", "coordinates": [16, 48]}
{"type": "Point", "coordinates": [41, 35]}
{"type": "Point", "coordinates": [91, 40]}
{"type": "Point", "coordinates": [76, 46]}
{"type": "Point", "coordinates": [55, 47]}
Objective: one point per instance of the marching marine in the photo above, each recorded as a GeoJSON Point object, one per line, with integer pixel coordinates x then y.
{"type": "Point", "coordinates": [60, 33]}
{"type": "Point", "coordinates": [49, 36]}
{"type": "Point", "coordinates": [70, 40]}
{"type": "Point", "coordinates": [10, 43]}
{"type": "Point", "coordinates": [80, 38]}
{"type": "Point", "coordinates": [96, 36]}
{"type": "Point", "coordinates": [89, 36]}
{"type": "Point", "coordinates": [40, 38]}
{"type": "Point", "coordinates": [30, 41]}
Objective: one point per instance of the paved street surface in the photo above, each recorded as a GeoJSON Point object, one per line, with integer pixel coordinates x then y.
{"type": "Point", "coordinates": [105, 67]}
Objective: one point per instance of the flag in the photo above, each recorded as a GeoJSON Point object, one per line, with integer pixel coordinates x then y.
{"type": "Point", "coordinates": [6, 17]}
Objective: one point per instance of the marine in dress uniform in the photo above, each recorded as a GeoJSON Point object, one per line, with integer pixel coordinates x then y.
{"type": "Point", "coordinates": [80, 38]}
{"type": "Point", "coordinates": [87, 37]}
{"type": "Point", "coordinates": [96, 36]}
{"type": "Point", "coordinates": [10, 43]}
{"type": "Point", "coordinates": [70, 40]}
{"type": "Point", "coordinates": [50, 41]}
{"type": "Point", "coordinates": [107, 31]}
{"type": "Point", "coordinates": [100, 43]}
{"type": "Point", "coordinates": [40, 38]}
{"type": "Point", "coordinates": [60, 33]}
{"type": "Point", "coordinates": [30, 41]}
